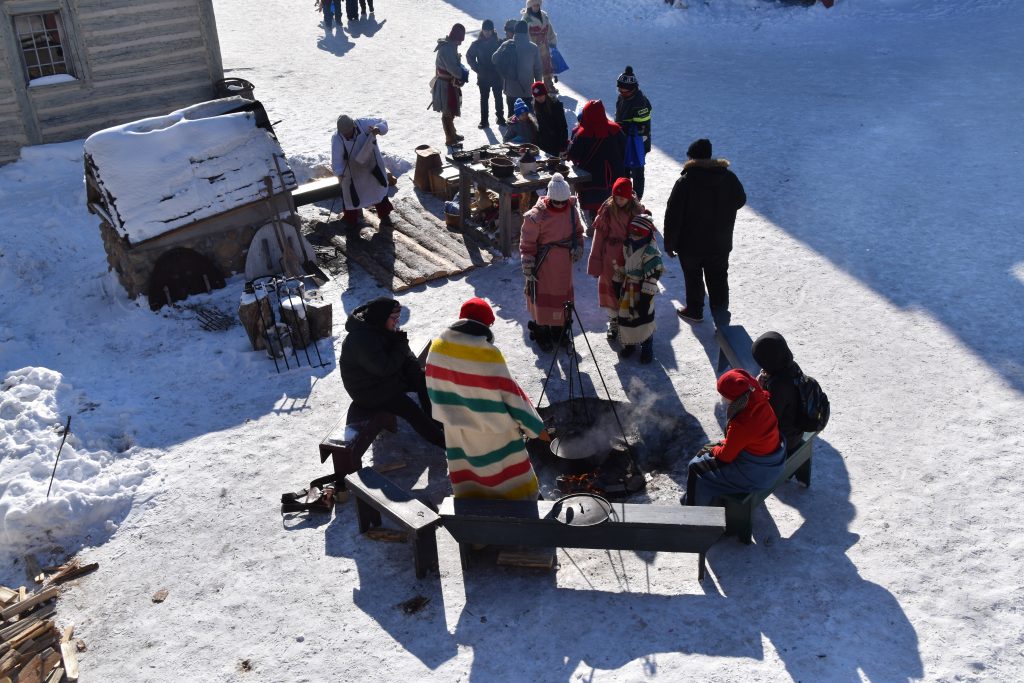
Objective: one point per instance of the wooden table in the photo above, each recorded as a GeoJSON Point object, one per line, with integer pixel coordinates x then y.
{"type": "Point", "coordinates": [471, 173]}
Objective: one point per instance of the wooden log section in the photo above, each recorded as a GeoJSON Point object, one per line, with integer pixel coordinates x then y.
{"type": "Point", "coordinates": [255, 314]}
{"type": "Point", "coordinates": [319, 314]}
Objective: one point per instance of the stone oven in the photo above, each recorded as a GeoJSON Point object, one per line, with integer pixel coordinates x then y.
{"type": "Point", "coordinates": [191, 187]}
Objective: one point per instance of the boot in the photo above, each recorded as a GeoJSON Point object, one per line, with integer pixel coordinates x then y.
{"type": "Point", "coordinates": [450, 136]}
{"type": "Point", "coordinates": [483, 124]}
{"type": "Point", "coordinates": [647, 350]}
{"type": "Point", "coordinates": [627, 351]}
{"type": "Point", "coordinates": [613, 329]}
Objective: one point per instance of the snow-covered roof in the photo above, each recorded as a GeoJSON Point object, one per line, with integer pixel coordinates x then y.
{"type": "Point", "coordinates": [165, 172]}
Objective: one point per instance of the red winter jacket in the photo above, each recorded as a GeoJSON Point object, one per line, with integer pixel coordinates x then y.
{"type": "Point", "coordinates": [754, 429]}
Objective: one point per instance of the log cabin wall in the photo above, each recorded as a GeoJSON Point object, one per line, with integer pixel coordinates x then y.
{"type": "Point", "coordinates": [129, 58]}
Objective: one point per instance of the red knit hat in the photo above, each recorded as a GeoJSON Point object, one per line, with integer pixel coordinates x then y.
{"type": "Point", "coordinates": [538, 88]}
{"type": "Point", "coordinates": [457, 33]}
{"type": "Point", "coordinates": [623, 187]}
{"type": "Point", "coordinates": [735, 383]}
{"type": "Point", "coordinates": [642, 225]}
{"type": "Point", "coordinates": [477, 309]}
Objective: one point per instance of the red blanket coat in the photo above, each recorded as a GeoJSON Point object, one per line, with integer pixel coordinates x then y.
{"type": "Point", "coordinates": [611, 226]}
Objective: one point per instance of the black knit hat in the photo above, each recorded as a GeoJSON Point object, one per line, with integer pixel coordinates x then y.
{"type": "Point", "coordinates": [377, 312]}
{"type": "Point", "coordinates": [488, 25]}
{"type": "Point", "coordinates": [700, 149]}
{"type": "Point", "coordinates": [627, 79]}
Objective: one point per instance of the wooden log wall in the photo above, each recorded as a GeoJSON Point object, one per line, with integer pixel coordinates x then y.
{"type": "Point", "coordinates": [132, 58]}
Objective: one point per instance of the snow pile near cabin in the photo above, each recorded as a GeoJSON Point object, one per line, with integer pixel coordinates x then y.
{"type": "Point", "coordinates": [169, 171]}
{"type": "Point", "coordinates": [95, 477]}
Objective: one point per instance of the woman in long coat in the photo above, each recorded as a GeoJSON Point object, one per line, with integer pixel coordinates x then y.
{"type": "Point", "coordinates": [611, 227]}
{"type": "Point", "coordinates": [598, 146]}
{"type": "Point", "coordinates": [542, 34]}
{"type": "Point", "coordinates": [484, 411]}
{"type": "Point", "coordinates": [551, 241]}
{"type": "Point", "coordinates": [446, 86]}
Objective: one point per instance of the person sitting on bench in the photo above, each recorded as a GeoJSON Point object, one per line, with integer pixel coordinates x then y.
{"type": "Point", "coordinates": [378, 369]}
{"type": "Point", "coordinates": [484, 411]}
{"type": "Point", "coordinates": [751, 456]}
{"type": "Point", "coordinates": [778, 377]}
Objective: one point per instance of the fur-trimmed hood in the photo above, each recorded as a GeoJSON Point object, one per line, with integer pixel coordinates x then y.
{"type": "Point", "coordinates": [709, 164]}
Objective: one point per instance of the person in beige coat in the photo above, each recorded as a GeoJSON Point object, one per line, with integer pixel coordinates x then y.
{"type": "Point", "coordinates": [542, 34]}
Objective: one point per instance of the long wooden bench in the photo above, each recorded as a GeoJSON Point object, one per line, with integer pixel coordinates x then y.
{"type": "Point", "coordinates": [534, 524]}
{"type": "Point", "coordinates": [734, 349]}
{"type": "Point", "coordinates": [376, 494]}
{"type": "Point", "coordinates": [739, 507]}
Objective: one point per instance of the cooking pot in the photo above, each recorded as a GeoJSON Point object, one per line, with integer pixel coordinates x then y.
{"type": "Point", "coordinates": [502, 167]}
{"type": "Point", "coordinates": [575, 454]}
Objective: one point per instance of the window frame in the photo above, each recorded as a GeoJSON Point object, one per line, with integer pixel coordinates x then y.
{"type": "Point", "coordinates": [49, 57]}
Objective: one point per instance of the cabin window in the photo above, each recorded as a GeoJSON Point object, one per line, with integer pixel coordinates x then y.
{"type": "Point", "coordinates": [43, 46]}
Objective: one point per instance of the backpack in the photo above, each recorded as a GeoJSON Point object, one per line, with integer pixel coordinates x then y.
{"type": "Point", "coordinates": [814, 407]}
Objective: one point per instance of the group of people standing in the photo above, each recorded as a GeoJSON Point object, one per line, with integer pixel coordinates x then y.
{"type": "Point", "coordinates": [468, 401]}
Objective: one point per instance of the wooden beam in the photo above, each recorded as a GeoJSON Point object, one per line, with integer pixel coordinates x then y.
{"type": "Point", "coordinates": [19, 607]}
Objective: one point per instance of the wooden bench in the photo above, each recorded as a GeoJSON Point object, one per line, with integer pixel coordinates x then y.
{"type": "Point", "coordinates": [734, 349]}
{"type": "Point", "coordinates": [351, 437]}
{"type": "Point", "coordinates": [631, 527]}
{"type": "Point", "coordinates": [376, 494]}
{"type": "Point", "coordinates": [739, 507]}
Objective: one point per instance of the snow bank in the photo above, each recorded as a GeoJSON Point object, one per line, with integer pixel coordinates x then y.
{"type": "Point", "coordinates": [94, 481]}
{"type": "Point", "coordinates": [169, 171]}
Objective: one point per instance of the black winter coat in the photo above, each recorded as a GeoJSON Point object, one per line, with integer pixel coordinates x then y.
{"type": "Point", "coordinates": [635, 112]}
{"type": "Point", "coordinates": [785, 400]}
{"type": "Point", "coordinates": [553, 133]}
{"type": "Point", "coordinates": [479, 57]}
{"type": "Point", "coordinates": [701, 210]}
{"type": "Point", "coordinates": [376, 364]}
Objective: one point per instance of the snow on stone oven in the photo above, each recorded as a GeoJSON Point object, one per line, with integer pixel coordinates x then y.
{"type": "Point", "coordinates": [180, 197]}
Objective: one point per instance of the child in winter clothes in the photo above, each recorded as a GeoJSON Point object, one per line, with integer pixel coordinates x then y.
{"type": "Point", "coordinates": [633, 113]}
{"type": "Point", "coordinates": [636, 283]}
{"type": "Point", "coordinates": [779, 374]}
{"type": "Point", "coordinates": [522, 128]}
{"type": "Point", "coordinates": [611, 227]}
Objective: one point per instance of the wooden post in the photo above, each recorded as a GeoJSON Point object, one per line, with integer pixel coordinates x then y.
{"type": "Point", "coordinates": [505, 222]}
{"type": "Point", "coordinates": [292, 316]}
{"type": "Point", "coordinates": [320, 316]}
{"type": "Point", "coordinates": [255, 314]}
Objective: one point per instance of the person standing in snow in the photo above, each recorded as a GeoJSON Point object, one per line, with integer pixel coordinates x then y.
{"type": "Point", "coordinates": [362, 6]}
{"type": "Point", "coordinates": [325, 5]}
{"type": "Point", "coordinates": [598, 147]}
{"type": "Point", "coordinates": [611, 228]}
{"type": "Point", "coordinates": [779, 375]}
{"type": "Point", "coordinates": [378, 369]}
{"type": "Point", "coordinates": [518, 62]}
{"type": "Point", "coordinates": [522, 128]}
{"type": "Point", "coordinates": [446, 85]}
{"type": "Point", "coordinates": [633, 113]}
{"type": "Point", "coordinates": [699, 220]}
{"type": "Point", "coordinates": [753, 453]}
{"type": "Point", "coordinates": [484, 411]}
{"type": "Point", "coordinates": [551, 241]}
{"type": "Point", "coordinates": [636, 283]}
{"type": "Point", "coordinates": [487, 78]}
{"type": "Point", "coordinates": [552, 130]}
{"type": "Point", "coordinates": [357, 162]}
{"type": "Point", "coordinates": [542, 34]}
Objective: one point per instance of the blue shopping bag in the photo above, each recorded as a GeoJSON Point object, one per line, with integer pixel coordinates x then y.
{"type": "Point", "coordinates": [635, 156]}
{"type": "Point", "coordinates": [558, 64]}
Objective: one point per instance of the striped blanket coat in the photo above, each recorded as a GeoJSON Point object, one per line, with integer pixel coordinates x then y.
{"type": "Point", "coordinates": [484, 412]}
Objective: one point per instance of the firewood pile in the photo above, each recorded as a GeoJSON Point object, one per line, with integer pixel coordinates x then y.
{"type": "Point", "coordinates": [32, 648]}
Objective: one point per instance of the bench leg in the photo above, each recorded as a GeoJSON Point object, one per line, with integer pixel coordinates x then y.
{"type": "Point", "coordinates": [739, 521]}
{"type": "Point", "coordinates": [345, 462]}
{"type": "Point", "coordinates": [803, 474]}
{"type": "Point", "coordinates": [701, 567]}
{"type": "Point", "coordinates": [723, 362]}
{"type": "Point", "coordinates": [464, 555]}
{"type": "Point", "coordinates": [424, 547]}
{"type": "Point", "coordinates": [366, 516]}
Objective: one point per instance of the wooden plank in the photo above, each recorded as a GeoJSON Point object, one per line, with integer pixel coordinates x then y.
{"type": "Point", "coordinates": [32, 672]}
{"type": "Point", "coordinates": [24, 605]}
{"type": "Point", "coordinates": [72, 573]}
{"type": "Point", "coordinates": [542, 558]}
{"type": "Point", "coordinates": [113, 10]}
{"type": "Point", "coordinates": [7, 595]}
{"type": "Point", "coordinates": [106, 97]}
{"type": "Point", "coordinates": [69, 660]}
{"type": "Point", "coordinates": [130, 26]}
{"type": "Point", "coordinates": [44, 612]}
{"type": "Point", "coordinates": [387, 535]}
{"type": "Point", "coordinates": [195, 55]}
{"type": "Point", "coordinates": [389, 498]}
{"type": "Point", "coordinates": [426, 229]}
{"type": "Point", "coordinates": [131, 47]}
{"type": "Point", "coordinates": [55, 676]}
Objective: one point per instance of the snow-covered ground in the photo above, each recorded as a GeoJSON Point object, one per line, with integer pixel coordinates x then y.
{"type": "Point", "coordinates": [880, 144]}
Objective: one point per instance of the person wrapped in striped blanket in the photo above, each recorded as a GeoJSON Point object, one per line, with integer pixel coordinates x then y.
{"type": "Point", "coordinates": [484, 411]}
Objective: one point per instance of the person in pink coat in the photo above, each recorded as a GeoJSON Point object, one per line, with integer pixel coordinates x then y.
{"type": "Point", "coordinates": [611, 227]}
{"type": "Point", "coordinates": [551, 241]}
